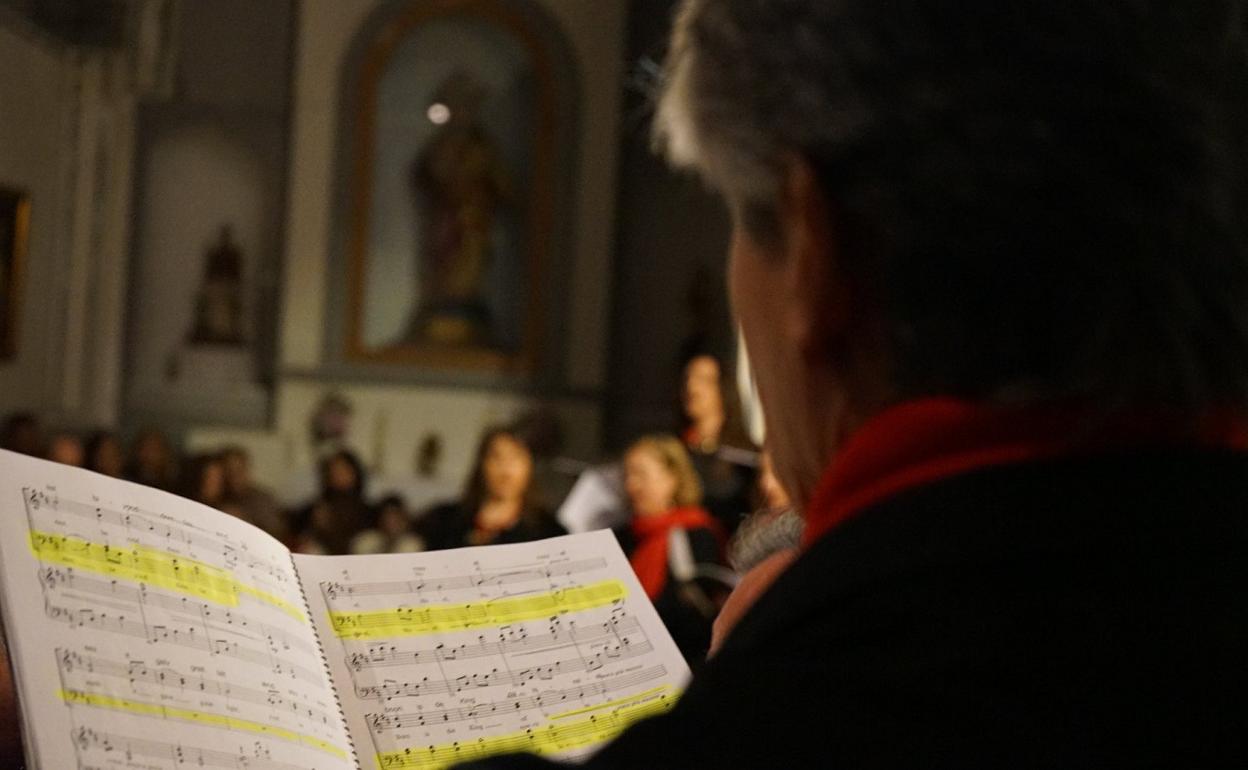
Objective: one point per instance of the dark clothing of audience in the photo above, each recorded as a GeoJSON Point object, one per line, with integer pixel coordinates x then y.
{"type": "Point", "coordinates": [328, 525]}
{"type": "Point", "coordinates": [22, 432]}
{"type": "Point", "coordinates": [452, 525]}
{"type": "Point", "coordinates": [257, 506]}
{"type": "Point", "coordinates": [727, 487]}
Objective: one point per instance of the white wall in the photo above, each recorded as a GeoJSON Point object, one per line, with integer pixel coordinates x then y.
{"type": "Point", "coordinates": [196, 180]}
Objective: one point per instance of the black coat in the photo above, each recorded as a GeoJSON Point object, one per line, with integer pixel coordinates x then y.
{"type": "Point", "coordinates": [1071, 614]}
{"type": "Point", "coordinates": [450, 525]}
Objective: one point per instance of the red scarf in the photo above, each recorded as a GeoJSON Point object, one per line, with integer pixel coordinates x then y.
{"type": "Point", "coordinates": [649, 557]}
{"type": "Point", "coordinates": [919, 442]}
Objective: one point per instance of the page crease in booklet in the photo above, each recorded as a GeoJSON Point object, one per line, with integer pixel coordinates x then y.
{"type": "Point", "coordinates": [148, 632]}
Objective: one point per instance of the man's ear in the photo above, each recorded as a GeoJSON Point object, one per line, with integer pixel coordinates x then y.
{"type": "Point", "coordinates": [820, 314]}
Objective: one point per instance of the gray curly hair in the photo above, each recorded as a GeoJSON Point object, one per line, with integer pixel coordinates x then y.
{"type": "Point", "coordinates": [1046, 196]}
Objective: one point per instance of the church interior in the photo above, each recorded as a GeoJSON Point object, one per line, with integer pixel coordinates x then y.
{"type": "Point", "coordinates": [254, 248]}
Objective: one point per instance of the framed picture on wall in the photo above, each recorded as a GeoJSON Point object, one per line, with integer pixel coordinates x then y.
{"type": "Point", "coordinates": [14, 236]}
{"type": "Point", "coordinates": [452, 165]}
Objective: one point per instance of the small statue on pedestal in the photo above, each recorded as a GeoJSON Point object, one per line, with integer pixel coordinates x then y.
{"type": "Point", "coordinates": [219, 306]}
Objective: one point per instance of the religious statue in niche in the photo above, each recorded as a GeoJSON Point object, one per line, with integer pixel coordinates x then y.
{"type": "Point", "coordinates": [219, 305]}
{"type": "Point", "coordinates": [455, 148]}
{"type": "Point", "coordinates": [460, 187]}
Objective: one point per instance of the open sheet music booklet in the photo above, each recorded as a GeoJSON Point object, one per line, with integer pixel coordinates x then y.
{"type": "Point", "coordinates": [147, 631]}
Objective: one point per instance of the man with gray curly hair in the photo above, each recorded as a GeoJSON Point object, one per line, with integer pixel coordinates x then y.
{"type": "Point", "coordinates": [990, 261]}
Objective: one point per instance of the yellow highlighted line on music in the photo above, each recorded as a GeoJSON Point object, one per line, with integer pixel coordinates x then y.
{"type": "Point", "coordinates": [550, 739]}
{"type": "Point", "coordinates": [98, 700]}
{"type": "Point", "coordinates": [140, 564]}
{"type": "Point", "coordinates": [414, 621]}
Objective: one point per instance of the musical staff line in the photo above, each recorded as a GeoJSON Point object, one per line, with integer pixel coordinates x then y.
{"type": "Point", "coordinates": [58, 579]}
{"type": "Point", "coordinates": [415, 621]}
{"type": "Point", "coordinates": [381, 723]}
{"type": "Point", "coordinates": [171, 679]}
{"type": "Point", "coordinates": [186, 636]}
{"type": "Point", "coordinates": [390, 689]}
{"type": "Point", "coordinates": [150, 566]}
{"type": "Point", "coordinates": [103, 701]}
{"type": "Point", "coordinates": [181, 754]}
{"type": "Point", "coordinates": [553, 738]}
{"type": "Point", "coordinates": [334, 590]}
{"type": "Point", "coordinates": [381, 656]}
{"type": "Point", "coordinates": [139, 520]}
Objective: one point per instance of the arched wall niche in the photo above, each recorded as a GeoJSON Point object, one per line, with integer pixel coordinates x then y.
{"type": "Point", "coordinates": [454, 217]}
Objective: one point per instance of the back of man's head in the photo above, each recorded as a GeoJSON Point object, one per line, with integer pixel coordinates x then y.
{"type": "Point", "coordinates": [1047, 197]}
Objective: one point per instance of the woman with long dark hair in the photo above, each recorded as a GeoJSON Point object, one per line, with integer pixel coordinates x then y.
{"type": "Point", "coordinates": [500, 502]}
{"type": "Point", "coordinates": [714, 435]}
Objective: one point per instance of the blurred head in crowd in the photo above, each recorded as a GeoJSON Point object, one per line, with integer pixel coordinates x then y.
{"type": "Point", "coordinates": [204, 479]}
{"type": "Point", "coordinates": [342, 475]}
{"type": "Point", "coordinates": [22, 433]}
{"type": "Point", "coordinates": [392, 517]}
{"type": "Point", "coordinates": [912, 220]}
{"type": "Point", "coordinates": [709, 408]}
{"type": "Point", "coordinates": [502, 471]}
{"type": "Point", "coordinates": [105, 454]}
{"type": "Point", "coordinates": [658, 476]}
{"type": "Point", "coordinates": [66, 449]}
{"type": "Point", "coordinates": [153, 461]}
{"type": "Point", "coordinates": [237, 462]}
{"type": "Point", "coordinates": [702, 396]}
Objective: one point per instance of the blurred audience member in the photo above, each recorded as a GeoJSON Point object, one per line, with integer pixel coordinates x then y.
{"type": "Point", "coordinates": [153, 462]}
{"type": "Point", "coordinates": [66, 449]}
{"type": "Point", "coordinates": [718, 446]}
{"type": "Point", "coordinates": [22, 433]}
{"type": "Point", "coordinates": [329, 522]}
{"type": "Point", "coordinates": [105, 454]}
{"type": "Point", "coordinates": [203, 480]}
{"type": "Point", "coordinates": [391, 531]}
{"type": "Point", "coordinates": [251, 502]}
{"type": "Point", "coordinates": [675, 545]}
{"type": "Point", "coordinates": [500, 503]}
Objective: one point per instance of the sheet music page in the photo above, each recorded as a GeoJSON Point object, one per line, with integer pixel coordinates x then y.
{"type": "Point", "coordinates": [150, 632]}
{"type": "Point", "coordinates": [549, 647]}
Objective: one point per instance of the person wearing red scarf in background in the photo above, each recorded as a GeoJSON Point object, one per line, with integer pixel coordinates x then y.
{"type": "Point", "coordinates": [990, 263]}
{"type": "Point", "coordinates": [673, 543]}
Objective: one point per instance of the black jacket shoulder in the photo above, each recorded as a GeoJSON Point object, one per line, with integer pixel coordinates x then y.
{"type": "Point", "coordinates": [1070, 614]}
